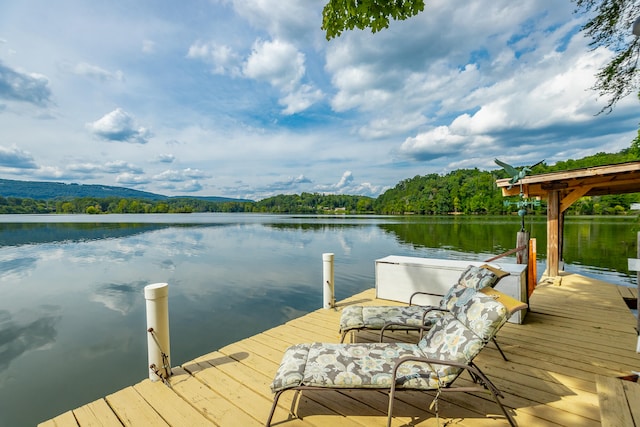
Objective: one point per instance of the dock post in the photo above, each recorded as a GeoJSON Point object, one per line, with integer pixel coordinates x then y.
{"type": "Point", "coordinates": [532, 267]}
{"type": "Point", "coordinates": [157, 299]}
{"type": "Point", "coordinates": [638, 294]}
{"type": "Point", "coordinates": [522, 239]}
{"type": "Point", "coordinates": [634, 265]}
{"type": "Point", "coordinates": [328, 289]}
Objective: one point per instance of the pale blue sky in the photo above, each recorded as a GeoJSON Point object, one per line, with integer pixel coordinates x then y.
{"type": "Point", "coordinates": [247, 99]}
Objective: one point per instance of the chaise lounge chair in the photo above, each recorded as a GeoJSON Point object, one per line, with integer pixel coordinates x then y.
{"type": "Point", "coordinates": [418, 317]}
{"type": "Point", "coordinates": [433, 364]}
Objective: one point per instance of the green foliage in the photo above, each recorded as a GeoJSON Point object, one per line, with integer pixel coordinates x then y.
{"type": "Point", "coordinates": [10, 205]}
{"type": "Point", "coordinates": [315, 203]}
{"type": "Point", "coordinates": [473, 192]}
{"type": "Point", "coordinates": [462, 191]}
{"type": "Point", "coordinates": [341, 15]}
{"type": "Point", "coordinates": [610, 27]}
{"type": "Point", "coordinates": [57, 190]}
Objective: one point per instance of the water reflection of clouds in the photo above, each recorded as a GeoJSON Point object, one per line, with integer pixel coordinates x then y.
{"type": "Point", "coordinates": [89, 253]}
{"type": "Point", "coordinates": [168, 265]}
{"type": "Point", "coordinates": [16, 267]}
{"type": "Point", "coordinates": [120, 297]}
{"type": "Point", "coordinates": [110, 344]}
{"type": "Point", "coordinates": [26, 330]}
{"type": "Point", "coordinates": [185, 242]}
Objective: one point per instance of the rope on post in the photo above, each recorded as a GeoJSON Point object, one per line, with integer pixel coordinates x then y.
{"type": "Point", "coordinates": [165, 370]}
{"type": "Point", "coordinates": [157, 297]}
{"type": "Point", "coordinates": [328, 289]}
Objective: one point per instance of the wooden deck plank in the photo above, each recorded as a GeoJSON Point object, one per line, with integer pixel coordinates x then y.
{"type": "Point", "coordinates": [175, 411]}
{"type": "Point", "coordinates": [63, 420]}
{"type": "Point", "coordinates": [260, 383]}
{"type": "Point", "coordinates": [133, 410]}
{"type": "Point", "coordinates": [573, 333]}
{"type": "Point", "coordinates": [209, 403]}
{"type": "Point", "coordinates": [628, 292]}
{"type": "Point", "coordinates": [614, 409]}
{"type": "Point", "coordinates": [98, 414]}
{"type": "Point", "coordinates": [632, 391]}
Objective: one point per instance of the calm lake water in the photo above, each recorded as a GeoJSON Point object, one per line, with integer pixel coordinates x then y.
{"type": "Point", "coordinates": [72, 310]}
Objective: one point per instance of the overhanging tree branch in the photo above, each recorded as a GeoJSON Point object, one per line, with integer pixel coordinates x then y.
{"type": "Point", "coordinates": [611, 28]}
{"type": "Point", "coordinates": [341, 15]}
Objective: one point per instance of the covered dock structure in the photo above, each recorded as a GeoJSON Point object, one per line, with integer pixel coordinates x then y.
{"type": "Point", "coordinates": [562, 189]}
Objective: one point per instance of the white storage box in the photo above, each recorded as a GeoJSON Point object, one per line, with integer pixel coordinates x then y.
{"type": "Point", "coordinates": [397, 277]}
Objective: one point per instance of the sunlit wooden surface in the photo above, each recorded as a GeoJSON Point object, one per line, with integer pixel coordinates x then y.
{"type": "Point", "coordinates": [576, 328]}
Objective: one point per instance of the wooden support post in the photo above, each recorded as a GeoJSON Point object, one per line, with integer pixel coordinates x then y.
{"type": "Point", "coordinates": [522, 239]}
{"type": "Point", "coordinates": [532, 268]}
{"type": "Point", "coordinates": [634, 265]}
{"type": "Point", "coordinates": [553, 231]}
{"type": "Point", "coordinates": [638, 296]}
{"type": "Point", "coordinates": [561, 239]}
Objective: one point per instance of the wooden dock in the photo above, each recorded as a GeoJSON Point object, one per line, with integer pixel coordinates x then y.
{"type": "Point", "coordinates": [577, 329]}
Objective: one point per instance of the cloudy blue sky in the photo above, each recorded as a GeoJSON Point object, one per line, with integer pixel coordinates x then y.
{"type": "Point", "coordinates": [248, 99]}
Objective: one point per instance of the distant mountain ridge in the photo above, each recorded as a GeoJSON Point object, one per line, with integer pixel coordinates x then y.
{"type": "Point", "coordinates": [42, 190]}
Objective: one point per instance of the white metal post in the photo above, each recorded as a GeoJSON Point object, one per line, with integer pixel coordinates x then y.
{"type": "Point", "coordinates": [157, 298]}
{"type": "Point", "coordinates": [328, 284]}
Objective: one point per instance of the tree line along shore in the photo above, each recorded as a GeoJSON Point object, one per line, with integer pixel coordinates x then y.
{"type": "Point", "coordinates": [462, 191]}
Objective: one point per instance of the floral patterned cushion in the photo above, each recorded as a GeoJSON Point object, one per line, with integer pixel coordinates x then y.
{"type": "Point", "coordinates": [457, 336]}
{"type": "Point", "coordinates": [375, 317]}
{"type": "Point", "coordinates": [292, 366]}
{"type": "Point", "coordinates": [478, 277]}
{"type": "Point", "coordinates": [351, 318]}
{"type": "Point", "coordinates": [360, 366]}
{"type": "Point", "coordinates": [479, 313]}
{"type": "Point", "coordinates": [471, 280]}
{"type": "Point", "coordinates": [457, 294]}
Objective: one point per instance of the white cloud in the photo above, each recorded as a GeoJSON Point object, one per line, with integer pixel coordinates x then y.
{"type": "Point", "coordinates": [288, 184]}
{"type": "Point", "coordinates": [120, 166]}
{"type": "Point", "coordinates": [24, 87]}
{"type": "Point", "coordinates": [301, 99]}
{"type": "Point", "coordinates": [130, 179]}
{"type": "Point", "coordinates": [277, 62]}
{"type": "Point", "coordinates": [166, 158]}
{"type": "Point", "coordinates": [95, 72]}
{"type": "Point", "coordinates": [347, 178]}
{"type": "Point", "coordinates": [287, 20]}
{"type": "Point", "coordinates": [13, 157]}
{"type": "Point", "coordinates": [222, 57]}
{"type": "Point", "coordinates": [244, 98]}
{"type": "Point", "coordinates": [173, 175]}
{"type": "Point", "coordinates": [280, 64]}
{"type": "Point", "coordinates": [119, 126]}
{"type": "Point", "coordinates": [432, 144]}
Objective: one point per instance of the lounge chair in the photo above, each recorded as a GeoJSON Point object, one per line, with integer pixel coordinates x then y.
{"type": "Point", "coordinates": [433, 364]}
{"type": "Point", "coordinates": [417, 317]}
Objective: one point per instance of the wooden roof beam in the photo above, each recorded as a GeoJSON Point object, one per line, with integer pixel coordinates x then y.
{"type": "Point", "coordinates": [568, 199]}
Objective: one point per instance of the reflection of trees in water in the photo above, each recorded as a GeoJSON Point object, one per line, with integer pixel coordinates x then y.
{"type": "Point", "coordinates": [600, 242]}
{"type": "Point", "coordinates": [604, 244]}
{"type": "Point", "coordinates": [26, 330]}
{"type": "Point", "coordinates": [304, 226]}
{"type": "Point", "coordinates": [460, 235]}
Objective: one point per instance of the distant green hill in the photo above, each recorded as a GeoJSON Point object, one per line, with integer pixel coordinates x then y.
{"type": "Point", "coordinates": [40, 190]}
